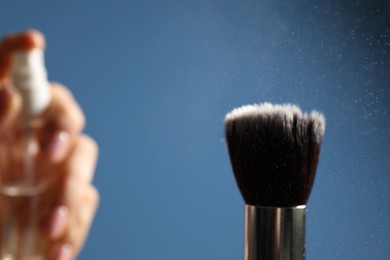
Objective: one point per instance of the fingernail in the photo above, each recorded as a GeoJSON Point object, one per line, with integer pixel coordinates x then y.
{"type": "Point", "coordinates": [58, 222]}
{"type": "Point", "coordinates": [65, 252]}
{"type": "Point", "coordinates": [56, 145]}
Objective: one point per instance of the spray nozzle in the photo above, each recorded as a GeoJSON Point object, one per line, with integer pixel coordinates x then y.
{"type": "Point", "coordinates": [29, 76]}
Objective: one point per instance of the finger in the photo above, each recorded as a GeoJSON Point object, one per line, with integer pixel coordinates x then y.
{"type": "Point", "coordinates": [72, 174]}
{"type": "Point", "coordinates": [75, 233]}
{"type": "Point", "coordinates": [81, 221]}
{"type": "Point", "coordinates": [10, 105]}
{"type": "Point", "coordinates": [64, 121]}
{"type": "Point", "coordinates": [23, 41]}
{"type": "Point", "coordinates": [58, 221]}
{"type": "Point", "coordinates": [64, 111]}
{"type": "Point", "coordinates": [82, 162]}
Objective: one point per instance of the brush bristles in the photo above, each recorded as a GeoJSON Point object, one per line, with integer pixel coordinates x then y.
{"type": "Point", "coordinates": [274, 152]}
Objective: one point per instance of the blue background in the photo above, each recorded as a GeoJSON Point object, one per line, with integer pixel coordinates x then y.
{"type": "Point", "coordinates": [156, 78]}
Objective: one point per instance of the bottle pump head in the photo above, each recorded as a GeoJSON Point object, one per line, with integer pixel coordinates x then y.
{"type": "Point", "coordinates": [29, 76]}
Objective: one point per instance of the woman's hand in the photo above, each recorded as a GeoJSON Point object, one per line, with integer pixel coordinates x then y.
{"type": "Point", "coordinates": [70, 201]}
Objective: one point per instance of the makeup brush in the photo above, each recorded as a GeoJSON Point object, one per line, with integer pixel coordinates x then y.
{"type": "Point", "coordinates": [274, 151]}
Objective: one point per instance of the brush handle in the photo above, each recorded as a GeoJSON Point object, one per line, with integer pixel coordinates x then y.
{"type": "Point", "coordinates": [273, 233]}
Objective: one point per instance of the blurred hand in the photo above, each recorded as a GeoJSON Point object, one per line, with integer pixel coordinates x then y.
{"type": "Point", "coordinates": [70, 201]}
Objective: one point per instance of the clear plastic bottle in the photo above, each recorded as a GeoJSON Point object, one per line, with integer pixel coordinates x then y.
{"type": "Point", "coordinates": [23, 170]}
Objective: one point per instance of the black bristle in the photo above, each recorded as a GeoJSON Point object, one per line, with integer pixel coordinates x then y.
{"type": "Point", "coordinates": [274, 152]}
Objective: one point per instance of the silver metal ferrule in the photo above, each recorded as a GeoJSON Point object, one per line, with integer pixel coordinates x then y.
{"type": "Point", "coordinates": [273, 233]}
